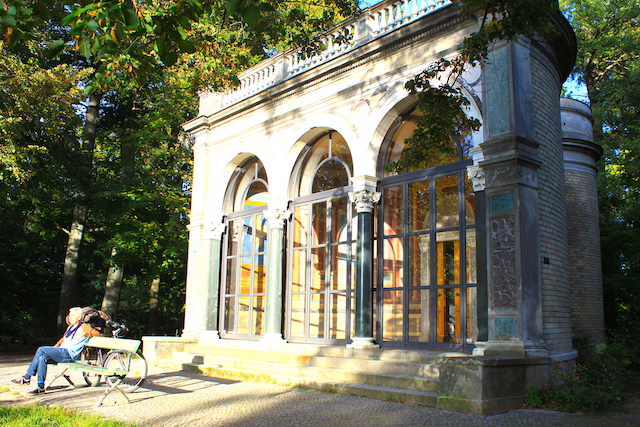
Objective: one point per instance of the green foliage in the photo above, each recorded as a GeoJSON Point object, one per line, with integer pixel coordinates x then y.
{"type": "Point", "coordinates": [439, 96]}
{"type": "Point", "coordinates": [608, 63]}
{"type": "Point", "coordinates": [598, 381]}
{"type": "Point", "coordinates": [35, 415]}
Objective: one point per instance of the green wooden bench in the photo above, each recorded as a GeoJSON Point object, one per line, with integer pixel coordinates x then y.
{"type": "Point", "coordinates": [105, 343]}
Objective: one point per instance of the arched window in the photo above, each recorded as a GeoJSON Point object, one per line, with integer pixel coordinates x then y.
{"type": "Point", "coordinates": [320, 251]}
{"type": "Point", "coordinates": [326, 165]}
{"type": "Point", "coordinates": [245, 253]}
{"type": "Point", "coordinates": [426, 243]}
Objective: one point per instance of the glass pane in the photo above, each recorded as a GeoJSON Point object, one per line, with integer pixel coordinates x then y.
{"type": "Point", "coordinates": [448, 315]}
{"type": "Point", "coordinates": [297, 315]}
{"type": "Point", "coordinates": [257, 195]}
{"type": "Point", "coordinates": [331, 174]}
{"type": "Point", "coordinates": [232, 237]}
{"type": "Point", "coordinates": [316, 316]}
{"type": "Point", "coordinates": [419, 319]}
{"type": "Point", "coordinates": [299, 271]}
{"type": "Point", "coordinates": [245, 275]}
{"type": "Point", "coordinates": [472, 265]}
{"type": "Point", "coordinates": [470, 202]}
{"type": "Point", "coordinates": [261, 233]}
{"type": "Point", "coordinates": [393, 270]}
{"type": "Point", "coordinates": [300, 225]}
{"type": "Point", "coordinates": [393, 211]}
{"type": "Point", "coordinates": [260, 274]}
{"type": "Point", "coordinates": [419, 218]}
{"type": "Point", "coordinates": [319, 223]}
{"type": "Point", "coordinates": [447, 258]}
{"type": "Point", "coordinates": [318, 269]}
{"type": "Point", "coordinates": [339, 267]}
{"type": "Point", "coordinates": [338, 316]}
{"type": "Point", "coordinates": [447, 202]}
{"type": "Point", "coordinates": [258, 315]}
{"type": "Point", "coordinates": [392, 316]}
{"type": "Point", "coordinates": [339, 223]}
{"type": "Point", "coordinates": [340, 149]}
{"type": "Point", "coordinates": [231, 282]}
{"type": "Point", "coordinates": [247, 233]}
{"type": "Point", "coordinates": [472, 315]}
{"type": "Point", "coordinates": [243, 315]}
{"type": "Point", "coordinates": [420, 270]}
{"type": "Point", "coordinates": [229, 314]}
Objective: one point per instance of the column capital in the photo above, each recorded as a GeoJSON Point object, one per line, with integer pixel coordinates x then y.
{"type": "Point", "coordinates": [277, 217]}
{"type": "Point", "coordinates": [476, 173]}
{"type": "Point", "coordinates": [215, 230]}
{"type": "Point", "coordinates": [364, 200]}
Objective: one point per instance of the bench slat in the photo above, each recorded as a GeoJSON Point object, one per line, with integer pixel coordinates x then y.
{"type": "Point", "coordinates": [92, 369]}
{"type": "Point", "coordinates": [114, 343]}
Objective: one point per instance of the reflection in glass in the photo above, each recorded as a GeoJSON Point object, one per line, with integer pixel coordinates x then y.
{"type": "Point", "coordinates": [339, 219]}
{"type": "Point", "coordinates": [338, 316]}
{"type": "Point", "coordinates": [332, 174]}
{"type": "Point", "coordinates": [420, 271]}
{"type": "Point", "coordinates": [392, 315]}
{"type": "Point", "coordinates": [472, 267]}
{"type": "Point", "coordinates": [419, 319]}
{"type": "Point", "coordinates": [229, 313]}
{"type": "Point", "coordinates": [339, 264]}
{"type": "Point", "coordinates": [319, 268]}
{"type": "Point", "coordinates": [257, 315]}
{"type": "Point", "coordinates": [447, 258]}
{"type": "Point", "coordinates": [243, 314]}
{"type": "Point", "coordinates": [296, 323]}
{"type": "Point", "coordinates": [448, 315]}
{"type": "Point", "coordinates": [299, 271]}
{"type": "Point", "coordinates": [419, 218]}
{"type": "Point", "coordinates": [317, 316]}
{"type": "Point", "coordinates": [300, 225]}
{"type": "Point", "coordinates": [393, 210]}
{"type": "Point", "coordinates": [472, 315]}
{"type": "Point", "coordinates": [447, 201]}
{"type": "Point", "coordinates": [319, 223]}
{"type": "Point", "coordinates": [470, 201]}
{"type": "Point", "coordinates": [393, 276]}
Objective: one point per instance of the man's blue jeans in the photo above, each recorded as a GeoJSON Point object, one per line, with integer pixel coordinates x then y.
{"type": "Point", "coordinates": [45, 355]}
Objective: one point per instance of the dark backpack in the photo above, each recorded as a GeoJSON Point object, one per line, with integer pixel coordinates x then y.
{"type": "Point", "coordinates": [96, 318]}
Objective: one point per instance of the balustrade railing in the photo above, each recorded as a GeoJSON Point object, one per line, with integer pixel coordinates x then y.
{"type": "Point", "coordinates": [374, 22]}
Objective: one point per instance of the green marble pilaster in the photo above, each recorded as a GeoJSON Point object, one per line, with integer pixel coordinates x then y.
{"type": "Point", "coordinates": [363, 337]}
{"type": "Point", "coordinates": [275, 256]}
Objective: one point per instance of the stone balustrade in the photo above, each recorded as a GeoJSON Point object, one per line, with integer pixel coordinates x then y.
{"type": "Point", "coordinates": [372, 23]}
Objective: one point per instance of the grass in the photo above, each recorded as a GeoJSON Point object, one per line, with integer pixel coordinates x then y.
{"type": "Point", "coordinates": [43, 415]}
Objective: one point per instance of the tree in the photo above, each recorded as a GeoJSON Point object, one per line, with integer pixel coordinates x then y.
{"type": "Point", "coordinates": [125, 48]}
{"type": "Point", "coordinates": [608, 64]}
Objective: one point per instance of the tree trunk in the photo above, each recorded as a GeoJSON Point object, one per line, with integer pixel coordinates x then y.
{"type": "Point", "coordinates": [154, 305]}
{"type": "Point", "coordinates": [72, 256]}
{"type": "Point", "coordinates": [112, 289]}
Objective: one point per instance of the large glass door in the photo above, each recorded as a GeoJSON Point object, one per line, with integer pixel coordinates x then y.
{"type": "Point", "coordinates": [427, 260]}
{"type": "Point", "coordinates": [243, 299]}
{"type": "Point", "coordinates": [321, 262]}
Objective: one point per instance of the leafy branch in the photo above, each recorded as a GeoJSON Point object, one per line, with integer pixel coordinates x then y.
{"type": "Point", "coordinates": [440, 99]}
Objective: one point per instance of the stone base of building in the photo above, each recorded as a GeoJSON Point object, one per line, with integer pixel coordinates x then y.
{"type": "Point", "coordinates": [489, 384]}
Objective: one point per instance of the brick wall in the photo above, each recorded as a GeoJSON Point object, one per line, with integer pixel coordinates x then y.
{"type": "Point", "coordinates": [556, 294]}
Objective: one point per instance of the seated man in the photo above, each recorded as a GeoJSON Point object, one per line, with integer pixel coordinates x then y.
{"type": "Point", "coordinates": [67, 349]}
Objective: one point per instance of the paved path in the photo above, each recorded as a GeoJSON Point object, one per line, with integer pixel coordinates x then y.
{"type": "Point", "coordinates": [176, 399]}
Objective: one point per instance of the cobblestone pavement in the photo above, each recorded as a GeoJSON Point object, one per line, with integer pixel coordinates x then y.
{"type": "Point", "coordinates": [175, 399]}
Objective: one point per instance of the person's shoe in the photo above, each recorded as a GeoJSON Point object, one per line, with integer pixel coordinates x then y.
{"type": "Point", "coordinates": [37, 390]}
{"type": "Point", "coordinates": [21, 380]}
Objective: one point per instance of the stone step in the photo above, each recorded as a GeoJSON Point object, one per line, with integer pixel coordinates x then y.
{"type": "Point", "coordinates": [298, 352]}
{"type": "Point", "coordinates": [383, 392]}
{"type": "Point", "coordinates": [336, 373]}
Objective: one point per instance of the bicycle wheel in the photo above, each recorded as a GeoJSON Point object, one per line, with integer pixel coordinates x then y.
{"type": "Point", "coordinates": [135, 363]}
{"type": "Point", "coordinates": [91, 357]}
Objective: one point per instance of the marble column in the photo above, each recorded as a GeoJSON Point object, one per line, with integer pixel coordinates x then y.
{"type": "Point", "coordinates": [210, 271]}
{"type": "Point", "coordinates": [275, 258]}
{"type": "Point", "coordinates": [364, 201]}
